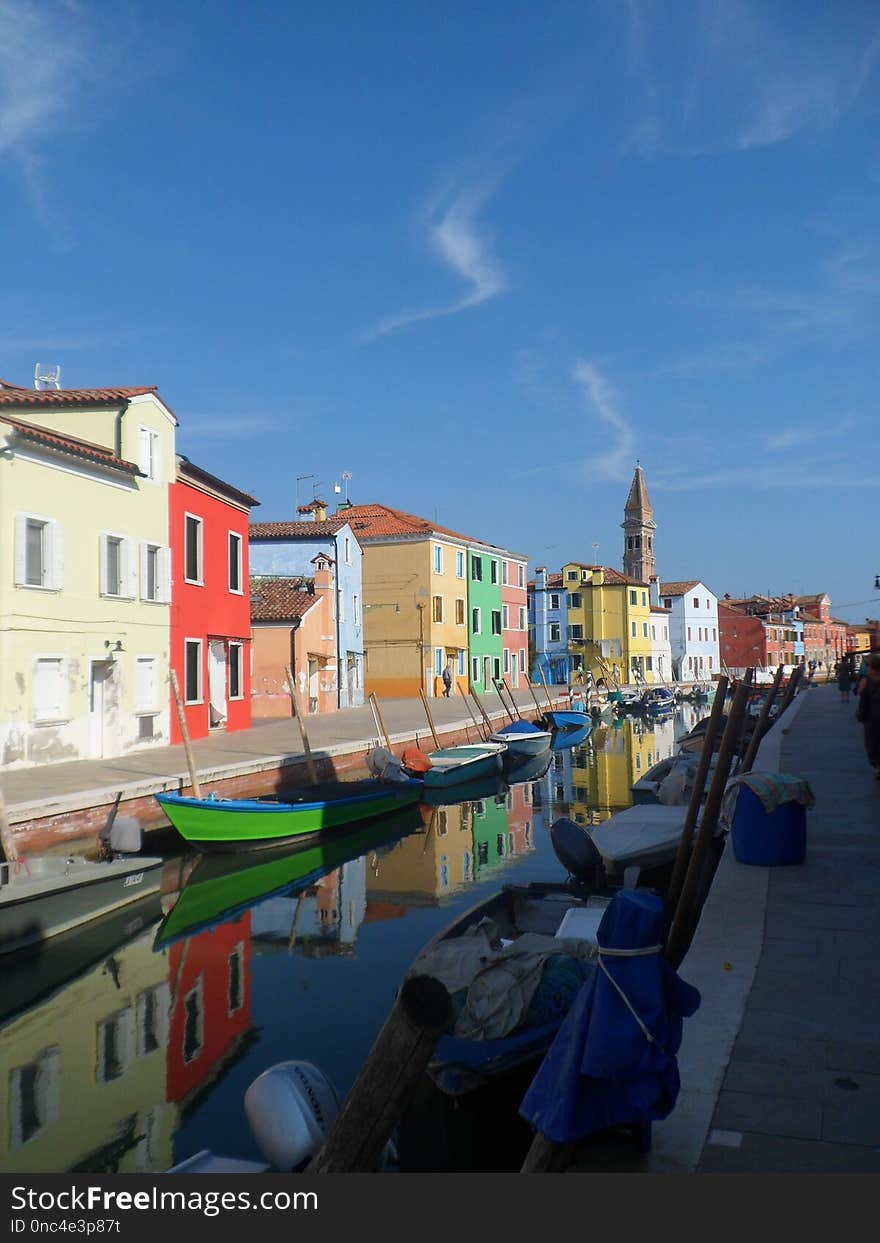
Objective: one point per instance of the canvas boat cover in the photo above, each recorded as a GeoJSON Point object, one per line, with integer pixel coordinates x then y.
{"type": "Point", "coordinates": [613, 1060]}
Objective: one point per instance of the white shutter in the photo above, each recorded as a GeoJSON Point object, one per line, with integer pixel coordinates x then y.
{"type": "Point", "coordinates": [165, 575]}
{"type": "Point", "coordinates": [144, 578]}
{"type": "Point", "coordinates": [144, 450]}
{"type": "Point", "coordinates": [102, 561]}
{"type": "Point", "coordinates": [129, 569]}
{"type": "Point", "coordinates": [20, 549]}
{"type": "Point", "coordinates": [55, 555]}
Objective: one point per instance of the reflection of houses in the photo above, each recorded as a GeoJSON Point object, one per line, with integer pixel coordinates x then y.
{"type": "Point", "coordinates": [425, 867]}
{"type": "Point", "coordinates": [520, 817]}
{"type": "Point", "coordinates": [293, 625]}
{"type": "Point", "coordinates": [603, 775]}
{"type": "Point", "coordinates": [320, 921]}
{"type": "Point", "coordinates": [84, 1073]}
{"type": "Point", "coordinates": [210, 987]}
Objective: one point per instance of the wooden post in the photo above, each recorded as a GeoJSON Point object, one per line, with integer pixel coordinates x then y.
{"type": "Point", "coordinates": [477, 701]}
{"type": "Point", "coordinates": [375, 702]}
{"type": "Point", "coordinates": [758, 732]}
{"type": "Point", "coordinates": [686, 912]}
{"type": "Point", "coordinates": [477, 724]}
{"type": "Point", "coordinates": [790, 690]}
{"type": "Point", "coordinates": [10, 854]}
{"type": "Point", "coordinates": [424, 699]}
{"type": "Point", "coordinates": [683, 853]}
{"type": "Point", "coordinates": [291, 939]}
{"type": "Point", "coordinates": [511, 698]}
{"type": "Point", "coordinates": [538, 707]}
{"type": "Point", "coordinates": [546, 690]}
{"type": "Point", "coordinates": [503, 704]}
{"type": "Point", "coordinates": [394, 1065]}
{"type": "Point", "coordinates": [181, 717]}
{"type": "Point", "coordinates": [297, 712]}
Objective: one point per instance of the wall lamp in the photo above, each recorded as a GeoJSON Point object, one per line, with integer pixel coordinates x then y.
{"type": "Point", "coordinates": [396, 607]}
{"type": "Point", "coordinates": [112, 647]}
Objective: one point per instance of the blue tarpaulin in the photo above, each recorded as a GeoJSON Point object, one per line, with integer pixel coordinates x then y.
{"type": "Point", "coordinates": [613, 1061]}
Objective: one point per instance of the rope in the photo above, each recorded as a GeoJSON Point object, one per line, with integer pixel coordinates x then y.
{"type": "Point", "coordinates": [601, 952]}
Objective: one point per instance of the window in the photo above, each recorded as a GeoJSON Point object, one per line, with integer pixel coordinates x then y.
{"type": "Point", "coordinates": [475, 621]}
{"type": "Point", "coordinates": [555, 631]}
{"type": "Point", "coordinates": [475, 669]}
{"type": "Point", "coordinates": [504, 573]}
{"type": "Point", "coordinates": [496, 668]}
{"type": "Point", "coordinates": [633, 629]}
{"type": "Point", "coordinates": [576, 632]}
{"type": "Point", "coordinates": [689, 632]}
{"type": "Point", "coordinates": [575, 600]}
{"type": "Point", "coordinates": [461, 668]}
{"type": "Point", "coordinates": [438, 661]}
{"type": "Point", "coordinates": [116, 1045]}
{"type": "Point", "coordinates": [644, 630]}
{"type": "Point", "coordinates": [633, 597]}
{"type": "Point", "coordinates": [38, 552]}
{"type": "Point", "coordinates": [653, 632]}
{"type": "Point", "coordinates": [648, 666]}
{"type": "Point", "coordinates": [437, 608]}
{"type": "Point", "coordinates": [151, 1007]}
{"type": "Point", "coordinates": [505, 617]}
{"type": "Point", "coordinates": [710, 662]}
{"type": "Point", "coordinates": [155, 573]}
{"type": "Point", "coordinates": [714, 635]}
{"type": "Point", "coordinates": [520, 575]}
{"type": "Point", "coordinates": [236, 666]}
{"type": "Point", "coordinates": [438, 559]}
{"type": "Point", "coordinates": [496, 621]}
{"type": "Point", "coordinates": [49, 689]}
{"type": "Point", "coordinates": [459, 564]}
{"type": "Point", "coordinates": [572, 576]}
{"type": "Point", "coordinates": [522, 659]}
{"type": "Point", "coordinates": [644, 599]}
{"type": "Point", "coordinates": [34, 1096]}
{"type": "Point", "coordinates": [554, 600]}
{"type": "Point", "coordinates": [235, 994]}
{"type": "Point", "coordinates": [192, 675]}
{"type": "Point", "coordinates": [148, 453]}
{"type": "Point", "coordinates": [522, 618]}
{"type": "Point", "coordinates": [193, 1022]}
{"type": "Point", "coordinates": [506, 655]}
{"type": "Point", "coordinates": [493, 571]}
{"type": "Point", "coordinates": [347, 550]}
{"type": "Point", "coordinates": [459, 611]}
{"type": "Point", "coordinates": [477, 569]}
{"type": "Point", "coordinates": [118, 568]}
{"type": "Point", "coordinates": [356, 610]}
{"type": "Point", "coordinates": [235, 563]}
{"type": "Point", "coordinates": [146, 684]}
{"type": "Point", "coordinates": [667, 604]}
{"type": "Point", "coordinates": [192, 549]}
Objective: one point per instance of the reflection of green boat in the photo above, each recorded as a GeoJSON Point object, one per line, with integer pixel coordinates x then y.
{"type": "Point", "coordinates": [221, 887]}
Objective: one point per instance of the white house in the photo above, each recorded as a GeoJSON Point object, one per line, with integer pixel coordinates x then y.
{"type": "Point", "coordinates": [661, 647]}
{"type": "Point", "coordinates": [693, 630]}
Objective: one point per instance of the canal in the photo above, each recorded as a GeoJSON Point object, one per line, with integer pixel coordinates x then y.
{"type": "Point", "coordinates": [128, 1046]}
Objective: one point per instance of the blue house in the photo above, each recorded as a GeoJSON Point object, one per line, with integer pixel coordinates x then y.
{"type": "Point", "coordinates": [548, 627]}
{"type": "Point", "coordinates": [288, 549]}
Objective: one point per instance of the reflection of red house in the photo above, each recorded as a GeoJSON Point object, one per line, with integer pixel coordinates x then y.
{"type": "Point", "coordinates": [210, 601]}
{"type": "Point", "coordinates": [520, 813]}
{"type": "Point", "coordinates": [210, 980]}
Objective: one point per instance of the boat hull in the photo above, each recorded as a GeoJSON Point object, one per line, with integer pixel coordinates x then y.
{"type": "Point", "coordinates": [214, 824]}
{"type": "Point", "coordinates": [565, 718]}
{"type": "Point", "coordinates": [520, 745]}
{"type": "Point", "coordinates": [455, 765]}
{"type": "Point", "coordinates": [42, 904]}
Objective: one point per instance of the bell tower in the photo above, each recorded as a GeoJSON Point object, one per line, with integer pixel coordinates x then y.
{"type": "Point", "coordinates": [638, 527]}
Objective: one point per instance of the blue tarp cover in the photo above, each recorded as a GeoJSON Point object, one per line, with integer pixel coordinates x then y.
{"type": "Point", "coordinates": [519, 727]}
{"type": "Point", "coordinates": [602, 1070]}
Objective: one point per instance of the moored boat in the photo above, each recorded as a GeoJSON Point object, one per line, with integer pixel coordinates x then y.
{"type": "Point", "coordinates": [523, 738]}
{"type": "Point", "coordinates": [221, 824]}
{"type": "Point", "coordinates": [463, 762]}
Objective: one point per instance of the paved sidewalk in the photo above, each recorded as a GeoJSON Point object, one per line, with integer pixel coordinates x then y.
{"type": "Point", "coordinates": [781, 1065]}
{"type": "Point", "coordinates": [58, 788]}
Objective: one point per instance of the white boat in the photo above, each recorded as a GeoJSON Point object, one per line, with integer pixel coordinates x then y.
{"type": "Point", "coordinates": [522, 738]}
{"type": "Point", "coordinates": [48, 894]}
{"type": "Point", "coordinates": [644, 836]}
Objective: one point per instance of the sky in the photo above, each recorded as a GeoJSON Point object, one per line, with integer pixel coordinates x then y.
{"type": "Point", "coordinates": [481, 258]}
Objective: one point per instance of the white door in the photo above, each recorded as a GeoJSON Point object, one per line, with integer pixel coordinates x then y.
{"type": "Point", "coordinates": [100, 673]}
{"type": "Point", "coordinates": [514, 681]}
{"type": "Point", "coordinates": [217, 682]}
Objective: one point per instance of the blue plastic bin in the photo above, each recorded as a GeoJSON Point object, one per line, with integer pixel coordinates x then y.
{"type": "Point", "coordinates": [768, 839]}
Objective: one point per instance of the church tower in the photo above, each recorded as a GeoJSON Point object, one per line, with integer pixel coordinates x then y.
{"type": "Point", "coordinates": [638, 526]}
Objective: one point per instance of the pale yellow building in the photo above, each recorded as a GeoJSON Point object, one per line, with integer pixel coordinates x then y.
{"type": "Point", "coordinates": [85, 572]}
{"type": "Point", "coordinates": [609, 622]}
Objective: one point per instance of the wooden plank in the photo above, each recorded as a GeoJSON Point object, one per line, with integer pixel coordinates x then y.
{"type": "Point", "coordinates": [187, 747]}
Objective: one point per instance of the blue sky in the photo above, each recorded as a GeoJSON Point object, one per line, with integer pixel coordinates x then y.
{"type": "Point", "coordinates": [482, 257]}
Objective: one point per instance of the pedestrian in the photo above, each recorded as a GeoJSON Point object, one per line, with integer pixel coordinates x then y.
{"type": "Point", "coordinates": [447, 681]}
{"type": "Point", "coordinates": [844, 681]}
{"type": "Point", "coordinates": [868, 713]}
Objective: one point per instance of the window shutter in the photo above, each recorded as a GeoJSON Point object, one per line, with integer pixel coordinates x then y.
{"type": "Point", "coordinates": [144, 593]}
{"type": "Point", "coordinates": [144, 450]}
{"type": "Point", "coordinates": [20, 548]}
{"type": "Point", "coordinates": [55, 555]}
{"type": "Point", "coordinates": [165, 575]}
{"type": "Point", "coordinates": [129, 568]}
{"type": "Point", "coordinates": [102, 558]}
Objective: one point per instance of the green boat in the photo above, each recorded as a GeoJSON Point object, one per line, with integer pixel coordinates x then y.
{"type": "Point", "coordinates": [222, 887]}
{"type": "Point", "coordinates": [226, 824]}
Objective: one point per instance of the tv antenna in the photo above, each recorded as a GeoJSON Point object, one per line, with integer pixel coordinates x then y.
{"type": "Point", "coordinates": [595, 554]}
{"type": "Point", "coordinates": [346, 475]}
{"type": "Point", "coordinates": [46, 376]}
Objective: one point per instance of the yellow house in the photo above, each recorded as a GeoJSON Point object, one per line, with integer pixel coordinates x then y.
{"type": "Point", "coordinates": [416, 601]}
{"type": "Point", "coordinates": [609, 622]}
{"type": "Point", "coordinates": [84, 572]}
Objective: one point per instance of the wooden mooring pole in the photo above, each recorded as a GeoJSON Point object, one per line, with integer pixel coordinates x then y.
{"type": "Point", "coordinates": [10, 854]}
{"type": "Point", "coordinates": [382, 1090]}
{"type": "Point", "coordinates": [187, 747]}
{"type": "Point", "coordinates": [503, 702]}
{"type": "Point", "coordinates": [546, 689]}
{"type": "Point", "coordinates": [477, 725]}
{"type": "Point", "coordinates": [424, 699]}
{"type": "Point", "coordinates": [758, 732]}
{"type": "Point", "coordinates": [377, 712]}
{"type": "Point", "coordinates": [478, 702]}
{"type": "Point", "coordinates": [297, 712]}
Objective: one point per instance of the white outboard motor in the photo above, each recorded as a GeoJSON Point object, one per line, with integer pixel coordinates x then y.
{"type": "Point", "coordinates": [124, 837]}
{"type": "Point", "coordinates": [291, 1108]}
{"type": "Point", "coordinates": [384, 766]}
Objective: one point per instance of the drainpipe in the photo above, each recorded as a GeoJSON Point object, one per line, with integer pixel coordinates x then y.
{"type": "Point", "coordinates": [119, 417]}
{"type": "Point", "coordinates": [338, 627]}
{"type": "Point", "coordinates": [297, 622]}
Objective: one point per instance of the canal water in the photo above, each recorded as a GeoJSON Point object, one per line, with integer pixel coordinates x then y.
{"type": "Point", "coordinates": [128, 1045]}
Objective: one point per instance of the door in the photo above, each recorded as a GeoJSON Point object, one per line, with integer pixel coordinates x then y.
{"type": "Point", "coordinates": [216, 683]}
{"type": "Point", "coordinates": [313, 684]}
{"type": "Point", "coordinates": [514, 680]}
{"type": "Point", "coordinates": [100, 675]}
{"type": "Point", "coordinates": [487, 673]}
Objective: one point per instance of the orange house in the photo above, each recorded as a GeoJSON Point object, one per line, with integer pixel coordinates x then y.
{"type": "Point", "coordinates": [293, 625]}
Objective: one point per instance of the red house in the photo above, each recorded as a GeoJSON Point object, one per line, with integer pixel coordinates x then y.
{"type": "Point", "coordinates": [514, 619]}
{"type": "Point", "coordinates": [210, 602]}
{"type": "Point", "coordinates": [742, 637]}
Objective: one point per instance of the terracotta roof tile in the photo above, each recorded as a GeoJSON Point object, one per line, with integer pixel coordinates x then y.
{"type": "Point", "coordinates": [296, 530]}
{"type": "Point", "coordinates": [69, 444]}
{"type": "Point", "coordinates": [678, 589]}
{"type": "Point", "coordinates": [375, 522]}
{"type": "Point", "coordinates": [280, 599]}
{"type": "Point", "coordinates": [13, 396]}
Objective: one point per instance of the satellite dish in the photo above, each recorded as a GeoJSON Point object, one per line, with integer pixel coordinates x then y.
{"type": "Point", "coordinates": [47, 376]}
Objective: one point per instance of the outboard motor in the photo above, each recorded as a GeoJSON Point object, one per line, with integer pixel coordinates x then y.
{"type": "Point", "coordinates": [122, 838]}
{"type": "Point", "coordinates": [575, 849]}
{"type": "Point", "coordinates": [291, 1108]}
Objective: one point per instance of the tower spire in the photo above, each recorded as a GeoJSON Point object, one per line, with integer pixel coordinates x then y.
{"type": "Point", "coordinates": [638, 527]}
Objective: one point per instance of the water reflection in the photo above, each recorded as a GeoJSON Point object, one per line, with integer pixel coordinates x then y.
{"type": "Point", "coordinates": [127, 1045]}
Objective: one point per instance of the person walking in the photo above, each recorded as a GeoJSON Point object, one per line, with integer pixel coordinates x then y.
{"type": "Point", "coordinates": [844, 681]}
{"type": "Point", "coordinates": [868, 712]}
{"type": "Point", "coordinates": [447, 681]}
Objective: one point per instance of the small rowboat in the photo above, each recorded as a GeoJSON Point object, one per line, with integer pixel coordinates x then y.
{"type": "Point", "coordinates": [523, 738]}
{"type": "Point", "coordinates": [222, 824]}
{"type": "Point", "coordinates": [465, 762]}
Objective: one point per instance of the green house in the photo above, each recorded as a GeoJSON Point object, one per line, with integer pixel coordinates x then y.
{"type": "Point", "coordinates": [484, 618]}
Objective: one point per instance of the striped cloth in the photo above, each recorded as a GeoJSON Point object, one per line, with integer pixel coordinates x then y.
{"type": "Point", "coordinates": [772, 789]}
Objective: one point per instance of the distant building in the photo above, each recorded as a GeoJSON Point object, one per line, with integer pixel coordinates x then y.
{"type": "Point", "coordinates": [548, 628]}
{"type": "Point", "coordinates": [693, 630]}
{"type": "Point", "coordinates": [293, 627]}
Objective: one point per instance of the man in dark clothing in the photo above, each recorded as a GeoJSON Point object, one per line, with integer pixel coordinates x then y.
{"type": "Point", "coordinates": [447, 681]}
{"type": "Point", "coordinates": [869, 713]}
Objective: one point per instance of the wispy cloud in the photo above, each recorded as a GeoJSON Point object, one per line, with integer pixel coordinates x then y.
{"type": "Point", "coordinates": [459, 240]}
{"type": "Point", "coordinates": [617, 462]}
{"type": "Point", "coordinates": [229, 427]}
{"type": "Point", "coordinates": [740, 356]}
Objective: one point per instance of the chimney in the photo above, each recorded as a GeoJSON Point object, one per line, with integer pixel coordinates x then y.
{"type": "Point", "coordinates": [315, 511]}
{"type": "Point", "coordinates": [655, 590]}
{"type": "Point", "coordinates": [323, 572]}
{"type": "Point", "coordinates": [540, 577]}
